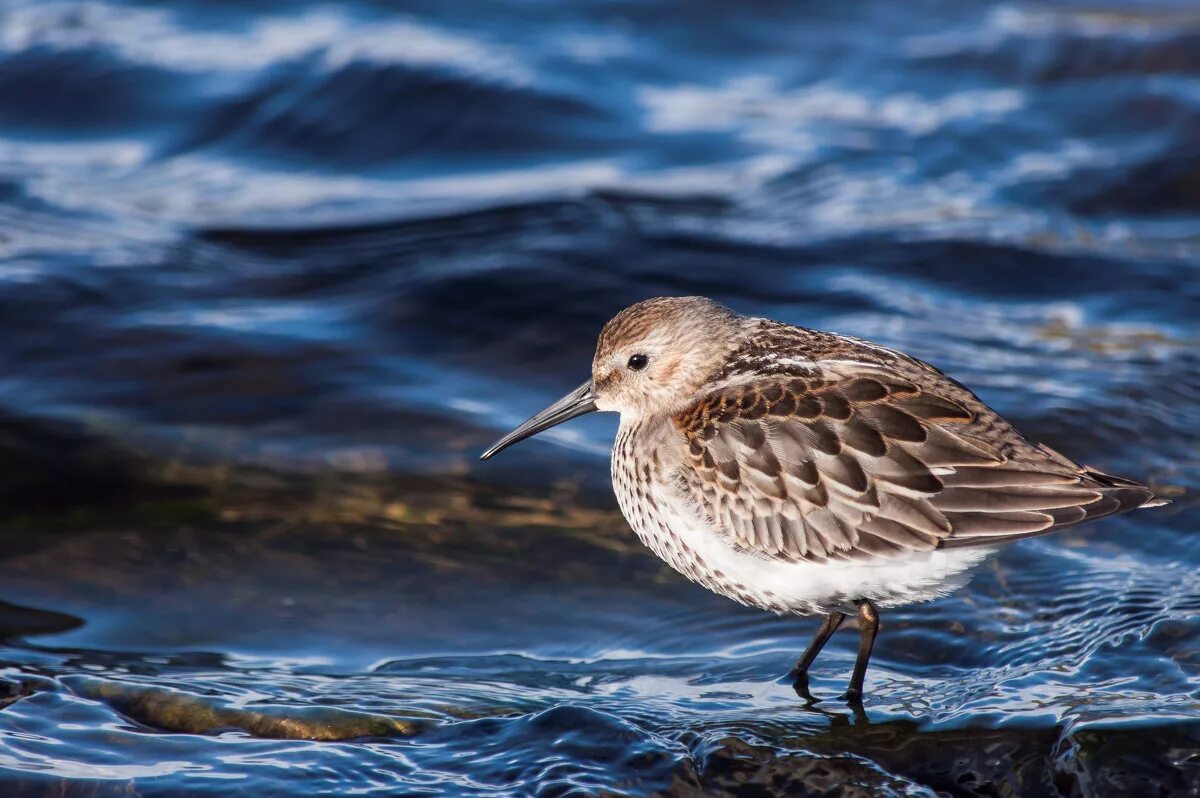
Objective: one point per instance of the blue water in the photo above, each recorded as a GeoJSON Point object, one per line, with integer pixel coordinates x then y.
{"type": "Point", "coordinates": [272, 274]}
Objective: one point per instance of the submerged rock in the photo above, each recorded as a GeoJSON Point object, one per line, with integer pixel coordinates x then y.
{"type": "Point", "coordinates": [177, 711]}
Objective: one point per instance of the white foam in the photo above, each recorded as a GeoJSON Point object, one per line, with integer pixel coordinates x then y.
{"type": "Point", "coordinates": [761, 111]}
{"type": "Point", "coordinates": [155, 37]}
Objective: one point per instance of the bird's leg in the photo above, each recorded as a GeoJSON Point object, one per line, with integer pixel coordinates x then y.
{"type": "Point", "coordinates": [868, 627]}
{"type": "Point", "coordinates": [799, 673]}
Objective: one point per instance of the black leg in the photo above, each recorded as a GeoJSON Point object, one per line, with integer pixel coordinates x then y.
{"type": "Point", "coordinates": [868, 627]}
{"type": "Point", "coordinates": [828, 626]}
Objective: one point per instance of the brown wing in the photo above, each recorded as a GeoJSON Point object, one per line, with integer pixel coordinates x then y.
{"type": "Point", "coordinates": [866, 461]}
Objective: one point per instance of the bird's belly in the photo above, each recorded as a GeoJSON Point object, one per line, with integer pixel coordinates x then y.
{"type": "Point", "coordinates": [690, 546]}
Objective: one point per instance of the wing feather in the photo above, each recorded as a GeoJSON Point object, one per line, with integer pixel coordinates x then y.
{"type": "Point", "coordinates": [876, 461]}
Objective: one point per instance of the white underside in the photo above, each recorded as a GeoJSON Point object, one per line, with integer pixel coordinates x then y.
{"type": "Point", "coordinates": [800, 587]}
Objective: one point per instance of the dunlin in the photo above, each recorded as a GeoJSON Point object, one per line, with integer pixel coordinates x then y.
{"type": "Point", "coordinates": [805, 472]}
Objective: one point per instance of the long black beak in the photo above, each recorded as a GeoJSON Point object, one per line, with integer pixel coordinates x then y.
{"type": "Point", "coordinates": [578, 402]}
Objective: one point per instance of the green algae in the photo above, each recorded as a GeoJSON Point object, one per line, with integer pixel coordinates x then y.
{"type": "Point", "coordinates": [187, 713]}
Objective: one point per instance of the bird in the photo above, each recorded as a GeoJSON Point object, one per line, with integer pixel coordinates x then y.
{"type": "Point", "coordinates": [811, 473]}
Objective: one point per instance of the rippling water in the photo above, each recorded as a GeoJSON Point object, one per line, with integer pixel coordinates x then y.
{"type": "Point", "coordinates": [272, 274]}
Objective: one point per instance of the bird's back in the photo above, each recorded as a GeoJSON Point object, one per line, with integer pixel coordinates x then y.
{"type": "Point", "coordinates": [814, 446]}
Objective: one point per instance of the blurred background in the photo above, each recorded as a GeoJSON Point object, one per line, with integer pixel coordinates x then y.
{"type": "Point", "coordinates": [272, 274]}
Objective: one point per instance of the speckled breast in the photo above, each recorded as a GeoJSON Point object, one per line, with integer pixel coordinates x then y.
{"type": "Point", "coordinates": [641, 458]}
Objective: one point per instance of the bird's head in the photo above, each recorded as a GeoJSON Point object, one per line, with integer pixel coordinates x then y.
{"type": "Point", "coordinates": [651, 359]}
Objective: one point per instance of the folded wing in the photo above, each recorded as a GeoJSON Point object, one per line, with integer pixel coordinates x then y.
{"type": "Point", "coordinates": [863, 461]}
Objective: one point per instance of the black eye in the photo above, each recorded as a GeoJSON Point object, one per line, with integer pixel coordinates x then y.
{"type": "Point", "coordinates": [638, 362]}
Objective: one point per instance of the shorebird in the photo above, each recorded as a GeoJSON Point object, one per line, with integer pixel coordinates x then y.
{"type": "Point", "coordinates": [806, 472]}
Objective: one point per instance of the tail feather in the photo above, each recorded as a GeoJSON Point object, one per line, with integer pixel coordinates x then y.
{"type": "Point", "coordinates": [1127, 494]}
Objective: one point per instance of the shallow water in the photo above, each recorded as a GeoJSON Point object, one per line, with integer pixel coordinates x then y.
{"type": "Point", "coordinates": [272, 274]}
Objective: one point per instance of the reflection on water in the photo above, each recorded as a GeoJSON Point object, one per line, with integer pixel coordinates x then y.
{"type": "Point", "coordinates": [271, 275]}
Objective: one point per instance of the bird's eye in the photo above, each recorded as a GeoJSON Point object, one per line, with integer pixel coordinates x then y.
{"type": "Point", "coordinates": [638, 362]}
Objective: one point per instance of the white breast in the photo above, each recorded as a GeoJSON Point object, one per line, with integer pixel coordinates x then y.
{"type": "Point", "coordinates": [675, 531]}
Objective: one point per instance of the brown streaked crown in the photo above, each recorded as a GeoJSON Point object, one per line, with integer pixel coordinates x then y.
{"type": "Point", "coordinates": [676, 313]}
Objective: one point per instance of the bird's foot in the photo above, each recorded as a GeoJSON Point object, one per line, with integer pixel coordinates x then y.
{"type": "Point", "coordinates": [852, 696]}
{"type": "Point", "coordinates": [800, 685]}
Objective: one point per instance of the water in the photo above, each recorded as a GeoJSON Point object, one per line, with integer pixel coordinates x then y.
{"type": "Point", "coordinates": [272, 274]}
